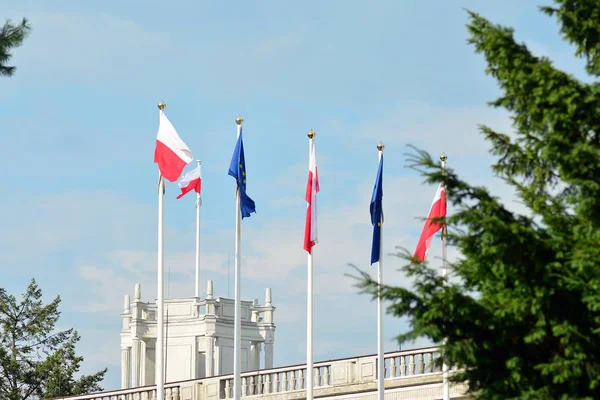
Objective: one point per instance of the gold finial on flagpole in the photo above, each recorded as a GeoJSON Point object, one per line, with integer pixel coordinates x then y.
{"type": "Point", "coordinates": [311, 134]}
{"type": "Point", "coordinates": [239, 120]}
{"type": "Point", "coordinates": [161, 105]}
{"type": "Point", "coordinates": [380, 146]}
{"type": "Point", "coordinates": [443, 157]}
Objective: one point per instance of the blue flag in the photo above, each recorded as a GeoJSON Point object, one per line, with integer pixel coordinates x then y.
{"type": "Point", "coordinates": [377, 213]}
{"type": "Point", "coordinates": [237, 169]}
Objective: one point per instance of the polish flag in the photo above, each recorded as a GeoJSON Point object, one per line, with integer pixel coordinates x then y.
{"type": "Point", "coordinates": [171, 153]}
{"type": "Point", "coordinates": [312, 188]}
{"type": "Point", "coordinates": [437, 210]}
{"type": "Point", "coordinates": [190, 181]}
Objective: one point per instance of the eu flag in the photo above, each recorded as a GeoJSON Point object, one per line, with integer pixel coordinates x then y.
{"type": "Point", "coordinates": [237, 169]}
{"type": "Point", "coordinates": [377, 213]}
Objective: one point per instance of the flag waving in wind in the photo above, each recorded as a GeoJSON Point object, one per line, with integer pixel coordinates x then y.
{"type": "Point", "coordinates": [237, 169]}
{"type": "Point", "coordinates": [432, 225]}
{"type": "Point", "coordinates": [190, 181]}
{"type": "Point", "coordinates": [312, 188]}
{"type": "Point", "coordinates": [377, 212]}
{"type": "Point", "coordinates": [171, 153]}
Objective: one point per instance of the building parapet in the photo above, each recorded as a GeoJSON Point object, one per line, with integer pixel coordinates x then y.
{"type": "Point", "coordinates": [407, 371]}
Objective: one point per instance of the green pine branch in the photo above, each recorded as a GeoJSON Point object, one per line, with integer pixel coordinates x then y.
{"type": "Point", "coordinates": [11, 37]}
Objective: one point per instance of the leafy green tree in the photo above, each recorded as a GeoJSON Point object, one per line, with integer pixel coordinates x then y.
{"type": "Point", "coordinates": [522, 309]}
{"type": "Point", "coordinates": [11, 36]}
{"type": "Point", "coordinates": [37, 362]}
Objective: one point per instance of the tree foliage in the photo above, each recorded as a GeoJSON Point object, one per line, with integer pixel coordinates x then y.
{"type": "Point", "coordinates": [522, 312]}
{"type": "Point", "coordinates": [36, 361]}
{"type": "Point", "coordinates": [11, 36]}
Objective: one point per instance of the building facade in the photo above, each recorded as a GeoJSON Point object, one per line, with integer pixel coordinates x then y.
{"type": "Point", "coordinates": [198, 337]}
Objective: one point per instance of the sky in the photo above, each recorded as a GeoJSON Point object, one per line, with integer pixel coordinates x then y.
{"type": "Point", "coordinates": [79, 122]}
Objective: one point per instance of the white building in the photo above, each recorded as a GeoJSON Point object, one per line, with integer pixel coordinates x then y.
{"type": "Point", "coordinates": [198, 337]}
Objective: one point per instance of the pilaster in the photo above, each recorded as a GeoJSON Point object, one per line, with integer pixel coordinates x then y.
{"type": "Point", "coordinates": [125, 367]}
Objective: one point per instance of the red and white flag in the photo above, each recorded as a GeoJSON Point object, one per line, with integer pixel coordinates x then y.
{"type": "Point", "coordinates": [190, 181]}
{"type": "Point", "coordinates": [432, 225]}
{"type": "Point", "coordinates": [312, 188]}
{"type": "Point", "coordinates": [171, 153]}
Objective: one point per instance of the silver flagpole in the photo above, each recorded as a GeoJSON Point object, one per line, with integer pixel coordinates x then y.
{"type": "Point", "coordinates": [380, 356]}
{"type": "Point", "coordinates": [159, 352]}
{"type": "Point", "coordinates": [237, 328]}
{"type": "Point", "coordinates": [198, 204]}
{"type": "Point", "coordinates": [445, 387]}
{"type": "Point", "coordinates": [309, 292]}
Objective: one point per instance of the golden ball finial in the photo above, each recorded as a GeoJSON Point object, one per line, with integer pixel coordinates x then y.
{"type": "Point", "coordinates": [161, 105]}
{"type": "Point", "coordinates": [380, 146]}
{"type": "Point", "coordinates": [239, 120]}
{"type": "Point", "coordinates": [443, 157]}
{"type": "Point", "coordinates": [311, 134]}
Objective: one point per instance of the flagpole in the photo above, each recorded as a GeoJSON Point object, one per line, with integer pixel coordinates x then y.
{"type": "Point", "coordinates": [159, 371]}
{"type": "Point", "coordinates": [380, 356]}
{"type": "Point", "coordinates": [237, 340]}
{"type": "Point", "coordinates": [445, 385]}
{"type": "Point", "coordinates": [309, 298]}
{"type": "Point", "coordinates": [198, 204]}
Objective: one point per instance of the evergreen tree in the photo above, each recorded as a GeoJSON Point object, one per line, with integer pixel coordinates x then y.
{"type": "Point", "coordinates": [11, 36]}
{"type": "Point", "coordinates": [37, 362]}
{"type": "Point", "coordinates": [522, 310]}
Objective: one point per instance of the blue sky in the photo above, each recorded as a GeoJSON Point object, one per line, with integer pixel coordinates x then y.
{"type": "Point", "coordinates": [79, 120]}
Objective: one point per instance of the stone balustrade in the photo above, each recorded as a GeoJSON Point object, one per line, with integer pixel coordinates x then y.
{"type": "Point", "coordinates": [332, 379]}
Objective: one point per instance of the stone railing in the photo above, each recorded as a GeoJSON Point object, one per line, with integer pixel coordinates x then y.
{"type": "Point", "coordinates": [331, 378]}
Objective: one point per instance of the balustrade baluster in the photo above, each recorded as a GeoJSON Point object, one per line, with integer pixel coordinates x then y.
{"type": "Point", "coordinates": [175, 393]}
{"type": "Point", "coordinates": [284, 382]}
{"type": "Point", "coordinates": [326, 376]}
{"type": "Point", "coordinates": [429, 362]}
{"type": "Point", "coordinates": [244, 386]}
{"type": "Point", "coordinates": [168, 394]}
{"type": "Point", "coordinates": [300, 380]}
{"type": "Point", "coordinates": [267, 384]}
{"type": "Point", "coordinates": [227, 389]}
{"type": "Point", "coordinates": [422, 363]}
{"type": "Point", "coordinates": [317, 377]}
{"type": "Point", "coordinates": [259, 385]}
{"type": "Point", "coordinates": [293, 380]}
{"type": "Point", "coordinates": [411, 365]}
{"type": "Point", "coordinates": [402, 365]}
{"type": "Point", "coordinates": [393, 367]}
{"type": "Point", "coordinates": [251, 386]}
